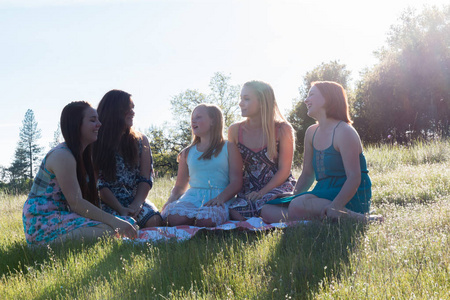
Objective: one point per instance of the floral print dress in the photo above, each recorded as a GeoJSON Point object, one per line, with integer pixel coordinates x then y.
{"type": "Point", "coordinates": [46, 213]}
{"type": "Point", "coordinates": [125, 187]}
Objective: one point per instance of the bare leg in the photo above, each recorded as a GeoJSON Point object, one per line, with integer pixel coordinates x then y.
{"type": "Point", "coordinates": [274, 213]}
{"type": "Point", "coordinates": [87, 233]}
{"type": "Point", "coordinates": [154, 221]}
{"type": "Point", "coordinates": [176, 220]}
{"type": "Point", "coordinates": [309, 207]}
{"type": "Point", "coordinates": [235, 215]}
{"type": "Point", "coordinates": [205, 223]}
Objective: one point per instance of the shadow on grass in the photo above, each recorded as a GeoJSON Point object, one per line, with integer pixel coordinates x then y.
{"type": "Point", "coordinates": [308, 253]}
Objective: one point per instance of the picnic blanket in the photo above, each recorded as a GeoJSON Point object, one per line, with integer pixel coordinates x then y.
{"type": "Point", "coordinates": [185, 232]}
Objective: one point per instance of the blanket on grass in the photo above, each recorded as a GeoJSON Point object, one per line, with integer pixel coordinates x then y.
{"type": "Point", "coordinates": [185, 232]}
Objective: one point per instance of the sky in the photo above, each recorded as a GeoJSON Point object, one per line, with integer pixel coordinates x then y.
{"type": "Point", "coordinates": [54, 52]}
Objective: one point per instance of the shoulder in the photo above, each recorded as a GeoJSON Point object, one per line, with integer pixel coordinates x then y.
{"type": "Point", "coordinates": [284, 128]}
{"type": "Point", "coordinates": [59, 156]}
{"type": "Point", "coordinates": [347, 136]}
{"type": "Point", "coordinates": [233, 131]}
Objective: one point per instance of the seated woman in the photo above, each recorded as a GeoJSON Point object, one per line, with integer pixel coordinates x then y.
{"type": "Point", "coordinates": [63, 201]}
{"type": "Point", "coordinates": [123, 160]}
{"type": "Point", "coordinates": [213, 169]}
{"type": "Point", "coordinates": [333, 153]}
{"type": "Point", "coordinates": [266, 144]}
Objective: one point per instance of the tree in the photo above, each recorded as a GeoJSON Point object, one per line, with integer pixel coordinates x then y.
{"type": "Point", "coordinates": [407, 94]}
{"type": "Point", "coordinates": [226, 96]}
{"type": "Point", "coordinates": [223, 94]}
{"type": "Point", "coordinates": [28, 149]}
{"type": "Point", "coordinates": [182, 106]}
{"type": "Point", "coordinates": [298, 117]}
{"type": "Point", "coordinates": [164, 151]}
{"type": "Point", "coordinates": [57, 139]}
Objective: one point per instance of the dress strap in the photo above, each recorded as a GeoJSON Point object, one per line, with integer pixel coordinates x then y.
{"type": "Point", "coordinates": [334, 130]}
{"type": "Point", "coordinates": [314, 135]}
{"type": "Point", "coordinates": [240, 133]}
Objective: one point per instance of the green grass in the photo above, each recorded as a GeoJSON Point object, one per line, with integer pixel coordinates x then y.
{"type": "Point", "coordinates": [405, 257]}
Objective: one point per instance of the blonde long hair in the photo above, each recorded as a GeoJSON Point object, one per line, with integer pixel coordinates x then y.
{"type": "Point", "coordinates": [270, 113]}
{"type": "Point", "coordinates": [217, 138]}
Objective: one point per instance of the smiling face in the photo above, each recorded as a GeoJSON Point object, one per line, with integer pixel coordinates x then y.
{"type": "Point", "coordinates": [129, 115]}
{"type": "Point", "coordinates": [89, 126]}
{"type": "Point", "coordinates": [315, 103]}
{"type": "Point", "coordinates": [201, 122]}
{"type": "Point", "coordinates": [249, 104]}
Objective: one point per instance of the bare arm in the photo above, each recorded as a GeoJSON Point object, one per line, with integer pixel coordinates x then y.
{"type": "Point", "coordinates": [306, 178]}
{"type": "Point", "coordinates": [63, 165]}
{"type": "Point", "coordinates": [145, 171]}
{"type": "Point", "coordinates": [108, 197]}
{"type": "Point", "coordinates": [349, 145]}
{"type": "Point", "coordinates": [235, 175]}
{"type": "Point", "coordinates": [182, 182]}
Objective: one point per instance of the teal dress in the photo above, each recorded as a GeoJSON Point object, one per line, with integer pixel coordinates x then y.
{"type": "Point", "coordinates": [330, 176]}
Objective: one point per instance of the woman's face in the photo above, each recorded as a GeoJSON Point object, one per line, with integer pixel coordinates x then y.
{"type": "Point", "coordinates": [89, 126]}
{"type": "Point", "coordinates": [129, 115]}
{"type": "Point", "coordinates": [201, 123]}
{"type": "Point", "coordinates": [249, 104]}
{"type": "Point", "coordinates": [315, 102]}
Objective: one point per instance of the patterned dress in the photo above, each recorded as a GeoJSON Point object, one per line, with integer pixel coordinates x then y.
{"type": "Point", "coordinates": [125, 187]}
{"type": "Point", "coordinates": [207, 179]}
{"type": "Point", "coordinates": [259, 169]}
{"type": "Point", "coordinates": [46, 213]}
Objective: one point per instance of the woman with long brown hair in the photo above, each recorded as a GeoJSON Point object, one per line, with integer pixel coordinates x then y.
{"type": "Point", "coordinates": [63, 201]}
{"type": "Point", "coordinates": [123, 160]}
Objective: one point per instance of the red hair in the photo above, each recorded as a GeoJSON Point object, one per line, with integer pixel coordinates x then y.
{"type": "Point", "coordinates": [336, 103]}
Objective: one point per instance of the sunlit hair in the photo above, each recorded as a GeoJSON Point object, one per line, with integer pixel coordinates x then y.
{"type": "Point", "coordinates": [336, 103]}
{"type": "Point", "coordinates": [114, 135]}
{"type": "Point", "coordinates": [270, 113]}
{"type": "Point", "coordinates": [71, 120]}
{"type": "Point", "coordinates": [216, 132]}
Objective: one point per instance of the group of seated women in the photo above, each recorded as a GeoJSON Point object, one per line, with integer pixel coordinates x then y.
{"type": "Point", "coordinates": [97, 181]}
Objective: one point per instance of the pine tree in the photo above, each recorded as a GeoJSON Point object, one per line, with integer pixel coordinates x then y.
{"type": "Point", "coordinates": [28, 149]}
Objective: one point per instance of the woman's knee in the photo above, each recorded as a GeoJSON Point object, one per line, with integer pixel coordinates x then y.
{"type": "Point", "coordinates": [154, 221]}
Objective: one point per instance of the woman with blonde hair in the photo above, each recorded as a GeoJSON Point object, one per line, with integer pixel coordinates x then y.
{"type": "Point", "coordinates": [266, 143]}
{"type": "Point", "coordinates": [334, 158]}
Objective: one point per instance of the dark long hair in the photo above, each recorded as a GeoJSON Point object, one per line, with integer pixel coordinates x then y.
{"type": "Point", "coordinates": [71, 121]}
{"type": "Point", "coordinates": [115, 136]}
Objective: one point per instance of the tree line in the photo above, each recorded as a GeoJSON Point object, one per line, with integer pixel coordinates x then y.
{"type": "Point", "coordinates": [405, 96]}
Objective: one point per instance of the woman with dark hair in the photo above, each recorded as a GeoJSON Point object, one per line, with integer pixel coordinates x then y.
{"type": "Point", "coordinates": [334, 158]}
{"type": "Point", "coordinates": [63, 201]}
{"type": "Point", "coordinates": [123, 160]}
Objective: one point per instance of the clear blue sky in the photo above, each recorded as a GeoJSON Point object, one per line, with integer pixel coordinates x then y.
{"type": "Point", "coordinates": [54, 53]}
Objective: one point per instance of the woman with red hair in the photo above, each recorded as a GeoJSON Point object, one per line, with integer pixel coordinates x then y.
{"type": "Point", "coordinates": [334, 158]}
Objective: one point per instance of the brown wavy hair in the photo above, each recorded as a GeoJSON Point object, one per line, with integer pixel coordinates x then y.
{"type": "Point", "coordinates": [71, 120]}
{"type": "Point", "coordinates": [114, 135]}
{"type": "Point", "coordinates": [336, 102]}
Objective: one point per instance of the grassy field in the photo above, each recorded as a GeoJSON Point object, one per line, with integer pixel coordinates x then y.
{"type": "Point", "coordinates": [405, 257]}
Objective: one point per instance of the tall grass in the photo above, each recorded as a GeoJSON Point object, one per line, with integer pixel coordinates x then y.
{"type": "Point", "coordinates": [404, 257]}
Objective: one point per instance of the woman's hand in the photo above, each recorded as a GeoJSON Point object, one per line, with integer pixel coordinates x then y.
{"type": "Point", "coordinates": [124, 228]}
{"type": "Point", "coordinates": [134, 209]}
{"type": "Point", "coordinates": [214, 202]}
{"type": "Point", "coordinates": [333, 212]}
{"type": "Point", "coordinates": [253, 196]}
{"type": "Point", "coordinates": [125, 211]}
